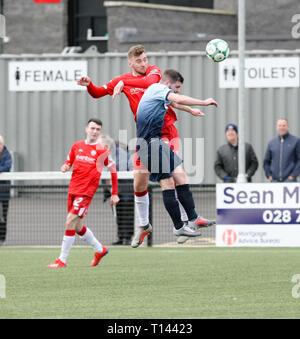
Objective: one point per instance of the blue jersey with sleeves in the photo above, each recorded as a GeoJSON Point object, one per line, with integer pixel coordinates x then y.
{"type": "Point", "coordinates": [152, 110]}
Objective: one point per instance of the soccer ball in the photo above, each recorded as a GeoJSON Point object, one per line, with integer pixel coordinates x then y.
{"type": "Point", "coordinates": [217, 50]}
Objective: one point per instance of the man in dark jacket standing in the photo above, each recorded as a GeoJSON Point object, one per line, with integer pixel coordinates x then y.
{"type": "Point", "coordinates": [226, 164]}
{"type": "Point", "coordinates": [282, 158]}
{"type": "Point", "coordinates": [5, 166]}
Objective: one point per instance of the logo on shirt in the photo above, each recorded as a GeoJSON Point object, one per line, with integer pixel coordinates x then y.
{"type": "Point", "coordinates": [137, 90]}
{"type": "Point", "coordinates": [85, 159]}
{"type": "Point", "coordinates": [93, 153]}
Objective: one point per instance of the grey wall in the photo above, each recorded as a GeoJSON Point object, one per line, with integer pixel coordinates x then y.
{"type": "Point", "coordinates": [268, 26]}
{"type": "Point", "coordinates": [42, 28]}
{"type": "Point", "coordinates": [35, 27]}
{"type": "Point", "coordinates": [163, 29]}
{"type": "Point", "coordinates": [42, 126]}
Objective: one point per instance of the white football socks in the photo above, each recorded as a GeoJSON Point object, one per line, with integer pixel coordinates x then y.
{"type": "Point", "coordinates": [89, 237]}
{"type": "Point", "coordinates": [67, 243]}
{"type": "Point", "coordinates": [142, 206]}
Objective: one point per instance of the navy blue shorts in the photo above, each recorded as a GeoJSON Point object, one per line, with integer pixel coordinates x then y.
{"type": "Point", "coordinates": [158, 158]}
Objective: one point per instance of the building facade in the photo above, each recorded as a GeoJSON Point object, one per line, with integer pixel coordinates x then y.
{"type": "Point", "coordinates": [177, 25]}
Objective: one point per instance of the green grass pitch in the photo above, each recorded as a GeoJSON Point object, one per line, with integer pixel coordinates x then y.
{"type": "Point", "coordinates": [151, 283]}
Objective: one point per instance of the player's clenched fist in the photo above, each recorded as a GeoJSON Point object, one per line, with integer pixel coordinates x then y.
{"type": "Point", "coordinates": [65, 168]}
{"type": "Point", "coordinates": [114, 199]}
{"type": "Point", "coordinates": [84, 81]}
{"type": "Point", "coordinates": [211, 101]}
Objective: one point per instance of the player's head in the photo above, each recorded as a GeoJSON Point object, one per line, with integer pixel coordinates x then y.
{"type": "Point", "coordinates": [137, 59]}
{"type": "Point", "coordinates": [282, 127]}
{"type": "Point", "coordinates": [93, 130]}
{"type": "Point", "coordinates": [173, 79]}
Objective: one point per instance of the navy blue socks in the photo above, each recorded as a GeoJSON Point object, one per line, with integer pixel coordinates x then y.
{"type": "Point", "coordinates": [172, 207]}
{"type": "Point", "coordinates": [186, 199]}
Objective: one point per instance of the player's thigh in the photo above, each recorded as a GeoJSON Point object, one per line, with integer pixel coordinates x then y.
{"type": "Point", "coordinates": [179, 175]}
{"type": "Point", "coordinates": [141, 180]}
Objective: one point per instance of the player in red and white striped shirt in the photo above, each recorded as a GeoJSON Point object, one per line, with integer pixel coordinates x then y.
{"type": "Point", "coordinates": [87, 158]}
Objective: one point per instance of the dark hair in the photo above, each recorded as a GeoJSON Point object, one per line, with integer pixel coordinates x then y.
{"type": "Point", "coordinates": [173, 75]}
{"type": "Point", "coordinates": [96, 121]}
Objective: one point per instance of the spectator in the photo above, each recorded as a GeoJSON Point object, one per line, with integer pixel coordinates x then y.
{"type": "Point", "coordinates": [125, 208]}
{"type": "Point", "coordinates": [226, 164]}
{"type": "Point", "coordinates": [5, 166]}
{"type": "Point", "coordinates": [282, 158]}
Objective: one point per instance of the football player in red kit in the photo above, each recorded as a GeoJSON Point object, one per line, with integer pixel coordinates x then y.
{"type": "Point", "coordinates": [87, 158]}
{"type": "Point", "coordinates": [133, 85]}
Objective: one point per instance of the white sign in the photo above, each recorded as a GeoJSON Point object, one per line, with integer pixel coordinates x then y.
{"type": "Point", "coordinates": [257, 236]}
{"type": "Point", "coordinates": [258, 196]}
{"type": "Point", "coordinates": [46, 75]}
{"type": "Point", "coordinates": [258, 214]}
{"type": "Point", "coordinates": [268, 72]}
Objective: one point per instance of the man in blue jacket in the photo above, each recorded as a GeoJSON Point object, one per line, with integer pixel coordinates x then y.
{"type": "Point", "coordinates": [5, 166]}
{"type": "Point", "coordinates": [282, 158]}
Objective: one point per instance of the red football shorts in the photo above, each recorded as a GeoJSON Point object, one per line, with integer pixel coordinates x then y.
{"type": "Point", "coordinates": [78, 205]}
{"type": "Point", "coordinates": [137, 165]}
{"type": "Point", "coordinates": [171, 137]}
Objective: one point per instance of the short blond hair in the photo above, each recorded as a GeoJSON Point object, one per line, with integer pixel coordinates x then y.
{"type": "Point", "coordinates": [136, 51]}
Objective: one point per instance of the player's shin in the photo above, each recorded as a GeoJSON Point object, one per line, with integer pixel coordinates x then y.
{"type": "Point", "coordinates": [87, 235]}
{"type": "Point", "coordinates": [185, 197]}
{"type": "Point", "coordinates": [142, 205]}
{"type": "Point", "coordinates": [184, 216]}
{"type": "Point", "coordinates": [67, 243]}
{"type": "Point", "coordinates": [172, 207]}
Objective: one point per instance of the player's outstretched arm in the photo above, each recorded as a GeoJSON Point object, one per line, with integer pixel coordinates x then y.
{"type": "Point", "coordinates": [193, 111]}
{"type": "Point", "coordinates": [189, 101]}
{"type": "Point", "coordinates": [99, 92]}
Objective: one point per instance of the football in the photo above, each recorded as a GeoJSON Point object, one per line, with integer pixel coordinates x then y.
{"type": "Point", "coordinates": [217, 50]}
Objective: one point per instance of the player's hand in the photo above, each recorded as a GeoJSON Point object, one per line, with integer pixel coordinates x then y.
{"type": "Point", "coordinates": [114, 199]}
{"type": "Point", "coordinates": [84, 81]}
{"type": "Point", "coordinates": [211, 101]}
{"type": "Point", "coordinates": [197, 113]}
{"type": "Point", "coordinates": [118, 89]}
{"type": "Point", "coordinates": [65, 168]}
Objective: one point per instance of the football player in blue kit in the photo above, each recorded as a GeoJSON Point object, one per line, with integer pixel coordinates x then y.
{"type": "Point", "coordinates": [160, 160]}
